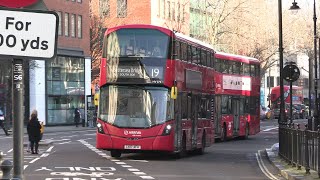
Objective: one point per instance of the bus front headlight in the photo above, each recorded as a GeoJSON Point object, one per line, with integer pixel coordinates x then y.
{"type": "Point", "coordinates": [100, 129]}
{"type": "Point", "coordinates": [167, 130]}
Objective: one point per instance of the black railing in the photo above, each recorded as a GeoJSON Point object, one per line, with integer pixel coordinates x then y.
{"type": "Point", "coordinates": [299, 146]}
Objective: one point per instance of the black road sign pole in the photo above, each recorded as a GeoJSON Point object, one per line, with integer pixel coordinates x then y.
{"type": "Point", "coordinates": [291, 108]}
{"type": "Point", "coordinates": [18, 91]}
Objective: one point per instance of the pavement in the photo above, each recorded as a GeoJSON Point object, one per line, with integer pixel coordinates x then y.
{"type": "Point", "coordinates": [286, 170]}
{"type": "Point", "coordinates": [54, 129]}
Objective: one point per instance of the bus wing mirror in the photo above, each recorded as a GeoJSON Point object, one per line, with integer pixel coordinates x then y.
{"type": "Point", "coordinates": [174, 92]}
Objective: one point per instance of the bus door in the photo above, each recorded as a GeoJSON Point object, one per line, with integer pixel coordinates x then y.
{"type": "Point", "coordinates": [236, 115]}
{"type": "Point", "coordinates": [217, 115]}
{"type": "Point", "coordinates": [178, 121]}
{"type": "Point", "coordinates": [194, 118]}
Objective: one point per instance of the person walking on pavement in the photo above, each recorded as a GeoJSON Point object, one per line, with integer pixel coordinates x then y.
{"type": "Point", "coordinates": [2, 123]}
{"type": "Point", "coordinates": [76, 116]}
{"type": "Point", "coordinates": [33, 129]}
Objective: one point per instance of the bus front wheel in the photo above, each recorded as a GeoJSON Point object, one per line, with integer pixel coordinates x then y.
{"type": "Point", "coordinates": [115, 153]}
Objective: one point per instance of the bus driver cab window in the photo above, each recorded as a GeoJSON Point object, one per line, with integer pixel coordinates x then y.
{"type": "Point", "coordinates": [156, 49]}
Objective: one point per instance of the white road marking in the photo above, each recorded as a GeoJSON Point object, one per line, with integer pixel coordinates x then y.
{"type": "Point", "coordinates": [50, 149]}
{"type": "Point", "coordinates": [269, 129]}
{"type": "Point", "coordinates": [146, 177]}
{"type": "Point", "coordinates": [116, 161]}
{"type": "Point", "coordinates": [25, 166]}
{"type": "Point", "coordinates": [65, 142]}
{"type": "Point", "coordinates": [34, 160]}
{"type": "Point", "coordinates": [10, 150]}
{"type": "Point", "coordinates": [263, 168]}
{"type": "Point", "coordinates": [45, 155]}
{"type": "Point", "coordinates": [145, 161]}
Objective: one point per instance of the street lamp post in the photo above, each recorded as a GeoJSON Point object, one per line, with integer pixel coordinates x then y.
{"type": "Point", "coordinates": [281, 117]}
{"type": "Point", "coordinates": [316, 109]}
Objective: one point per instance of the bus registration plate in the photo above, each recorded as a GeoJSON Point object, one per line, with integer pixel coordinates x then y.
{"type": "Point", "coordinates": [132, 147]}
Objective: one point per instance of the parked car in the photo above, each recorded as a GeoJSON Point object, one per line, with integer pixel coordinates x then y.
{"type": "Point", "coordinates": [302, 111]}
{"type": "Point", "coordinates": [276, 112]}
{"type": "Point", "coordinates": [263, 113]}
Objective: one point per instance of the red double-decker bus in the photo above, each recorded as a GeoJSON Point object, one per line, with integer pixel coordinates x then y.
{"type": "Point", "coordinates": [297, 98]}
{"type": "Point", "coordinates": [237, 96]}
{"type": "Point", "coordinates": [297, 95]}
{"type": "Point", "coordinates": [156, 92]}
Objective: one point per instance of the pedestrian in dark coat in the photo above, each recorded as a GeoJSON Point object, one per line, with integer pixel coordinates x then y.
{"type": "Point", "coordinates": [33, 129]}
{"type": "Point", "coordinates": [76, 116]}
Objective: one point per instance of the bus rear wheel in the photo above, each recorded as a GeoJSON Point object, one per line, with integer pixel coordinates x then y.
{"type": "Point", "coordinates": [115, 153]}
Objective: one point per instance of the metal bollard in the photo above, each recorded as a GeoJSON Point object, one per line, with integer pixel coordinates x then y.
{"type": "Point", "coordinates": [6, 167]}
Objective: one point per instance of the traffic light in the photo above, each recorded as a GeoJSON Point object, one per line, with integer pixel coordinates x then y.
{"type": "Point", "coordinates": [291, 73]}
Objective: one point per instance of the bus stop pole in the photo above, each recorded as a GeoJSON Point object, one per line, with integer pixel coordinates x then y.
{"type": "Point", "coordinates": [18, 91]}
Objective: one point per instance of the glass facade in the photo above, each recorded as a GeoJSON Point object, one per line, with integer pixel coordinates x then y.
{"type": "Point", "coordinates": [65, 89]}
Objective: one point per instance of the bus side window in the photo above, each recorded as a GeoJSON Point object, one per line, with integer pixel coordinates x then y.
{"type": "Point", "coordinates": [184, 51]}
{"type": "Point", "coordinates": [246, 69]}
{"type": "Point", "coordinates": [177, 50]}
{"type": "Point", "coordinates": [203, 57]}
{"type": "Point", "coordinates": [218, 65]}
{"type": "Point", "coordinates": [258, 71]}
{"type": "Point", "coordinates": [225, 66]}
{"type": "Point", "coordinates": [189, 54]}
{"type": "Point", "coordinates": [208, 58]}
{"type": "Point", "coordinates": [224, 104]}
{"type": "Point", "coordinates": [212, 60]}
{"type": "Point", "coordinates": [252, 70]}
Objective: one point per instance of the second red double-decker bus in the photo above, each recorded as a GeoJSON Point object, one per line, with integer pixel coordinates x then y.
{"type": "Point", "coordinates": [237, 92]}
{"type": "Point", "coordinates": [156, 92]}
{"type": "Point", "coordinates": [297, 98]}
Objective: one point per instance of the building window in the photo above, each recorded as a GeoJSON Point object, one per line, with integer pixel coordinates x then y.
{"type": "Point", "coordinates": [164, 9]}
{"type": "Point", "coordinates": [305, 82]}
{"type": "Point", "coordinates": [105, 8]}
{"type": "Point", "coordinates": [169, 10]}
{"type": "Point", "coordinates": [73, 25]}
{"type": "Point", "coordinates": [278, 81]}
{"type": "Point", "coordinates": [79, 29]}
{"type": "Point", "coordinates": [159, 11]}
{"type": "Point", "coordinates": [178, 11]}
{"type": "Point", "coordinates": [65, 80]}
{"type": "Point", "coordinates": [66, 24]}
{"type": "Point", "coordinates": [270, 81]}
{"type": "Point", "coordinates": [173, 10]}
{"type": "Point", "coordinates": [60, 23]}
{"type": "Point", "coordinates": [122, 8]}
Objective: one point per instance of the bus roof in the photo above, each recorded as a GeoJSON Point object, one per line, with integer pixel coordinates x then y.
{"type": "Point", "coordinates": [165, 30]}
{"type": "Point", "coordinates": [146, 26]}
{"type": "Point", "coordinates": [286, 87]}
{"type": "Point", "coordinates": [234, 57]}
{"type": "Point", "coordinates": [193, 40]}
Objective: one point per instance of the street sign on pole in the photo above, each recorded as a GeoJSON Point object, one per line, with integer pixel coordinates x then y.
{"type": "Point", "coordinates": [25, 34]}
{"type": "Point", "coordinates": [28, 33]}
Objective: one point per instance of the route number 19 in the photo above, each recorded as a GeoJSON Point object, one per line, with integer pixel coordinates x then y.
{"type": "Point", "coordinates": [155, 72]}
